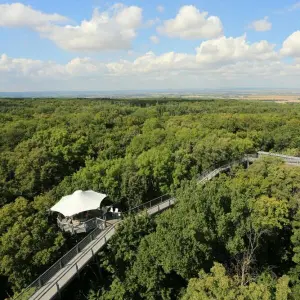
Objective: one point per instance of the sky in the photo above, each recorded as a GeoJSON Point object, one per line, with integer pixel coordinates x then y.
{"type": "Point", "coordinates": [95, 45]}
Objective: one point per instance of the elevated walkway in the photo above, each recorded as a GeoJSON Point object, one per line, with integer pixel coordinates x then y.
{"type": "Point", "coordinates": [50, 284]}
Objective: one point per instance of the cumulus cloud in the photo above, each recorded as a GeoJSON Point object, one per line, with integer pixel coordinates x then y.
{"type": "Point", "coordinates": [105, 31]}
{"type": "Point", "coordinates": [261, 25]}
{"type": "Point", "coordinates": [227, 50]}
{"type": "Point", "coordinates": [154, 39]}
{"type": "Point", "coordinates": [21, 67]}
{"type": "Point", "coordinates": [169, 70]}
{"type": "Point", "coordinates": [291, 46]}
{"type": "Point", "coordinates": [20, 15]}
{"type": "Point", "coordinates": [190, 23]}
{"type": "Point", "coordinates": [160, 8]}
{"type": "Point", "coordinates": [108, 30]}
{"type": "Point", "coordinates": [150, 62]}
{"type": "Point", "coordinates": [231, 61]}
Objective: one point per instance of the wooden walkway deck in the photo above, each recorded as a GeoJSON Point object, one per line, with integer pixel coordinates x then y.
{"type": "Point", "coordinates": [50, 284]}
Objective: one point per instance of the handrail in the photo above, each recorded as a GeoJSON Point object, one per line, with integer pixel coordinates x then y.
{"type": "Point", "coordinates": [279, 155]}
{"type": "Point", "coordinates": [83, 252]}
{"type": "Point", "coordinates": [63, 261]}
{"type": "Point", "coordinates": [149, 204]}
{"type": "Point", "coordinates": [72, 227]}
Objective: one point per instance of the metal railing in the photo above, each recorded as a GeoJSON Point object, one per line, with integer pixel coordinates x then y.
{"type": "Point", "coordinates": [80, 227]}
{"type": "Point", "coordinates": [62, 262]}
{"type": "Point", "coordinates": [148, 204]}
{"type": "Point", "coordinates": [215, 171]}
{"type": "Point", "coordinates": [98, 239]}
{"type": "Point", "coordinates": [286, 158]}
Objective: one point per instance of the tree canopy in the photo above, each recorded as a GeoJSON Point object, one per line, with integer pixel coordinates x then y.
{"type": "Point", "coordinates": [242, 228]}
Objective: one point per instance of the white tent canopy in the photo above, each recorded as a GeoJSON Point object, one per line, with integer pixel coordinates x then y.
{"type": "Point", "coordinates": [78, 202]}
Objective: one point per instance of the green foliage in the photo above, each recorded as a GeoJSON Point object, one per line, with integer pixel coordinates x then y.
{"type": "Point", "coordinates": [135, 150]}
{"type": "Point", "coordinates": [120, 255]}
{"type": "Point", "coordinates": [27, 242]}
{"type": "Point", "coordinates": [269, 213]}
{"type": "Point", "coordinates": [218, 285]}
{"type": "Point", "coordinates": [241, 220]}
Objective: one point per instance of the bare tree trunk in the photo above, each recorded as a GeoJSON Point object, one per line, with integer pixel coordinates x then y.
{"type": "Point", "coordinates": [248, 259]}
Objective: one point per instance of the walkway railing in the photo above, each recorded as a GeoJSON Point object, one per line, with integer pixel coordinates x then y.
{"type": "Point", "coordinates": [63, 261]}
{"type": "Point", "coordinates": [207, 175]}
{"type": "Point", "coordinates": [99, 239]}
{"type": "Point", "coordinates": [286, 158]}
{"type": "Point", "coordinates": [147, 205]}
{"type": "Point", "coordinates": [84, 226]}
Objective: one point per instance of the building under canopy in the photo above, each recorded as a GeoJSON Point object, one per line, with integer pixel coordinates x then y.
{"type": "Point", "coordinates": [83, 210]}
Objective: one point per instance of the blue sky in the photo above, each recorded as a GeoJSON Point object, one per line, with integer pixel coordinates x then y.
{"type": "Point", "coordinates": [106, 45]}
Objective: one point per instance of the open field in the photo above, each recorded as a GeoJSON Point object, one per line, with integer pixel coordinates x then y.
{"type": "Point", "coordinates": [282, 98]}
{"type": "Point", "coordinates": [277, 98]}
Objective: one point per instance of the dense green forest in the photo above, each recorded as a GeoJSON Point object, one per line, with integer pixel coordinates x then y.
{"type": "Point", "coordinates": [236, 237]}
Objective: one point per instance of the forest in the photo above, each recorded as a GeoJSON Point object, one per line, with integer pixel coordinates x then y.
{"type": "Point", "coordinates": [235, 237]}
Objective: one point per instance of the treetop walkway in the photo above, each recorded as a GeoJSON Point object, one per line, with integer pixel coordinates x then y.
{"type": "Point", "coordinates": [50, 283]}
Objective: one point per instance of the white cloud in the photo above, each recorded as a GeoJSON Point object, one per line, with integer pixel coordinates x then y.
{"type": "Point", "coordinates": [261, 25]}
{"type": "Point", "coordinates": [108, 30]}
{"type": "Point", "coordinates": [291, 46]}
{"type": "Point", "coordinates": [20, 15]}
{"type": "Point", "coordinates": [149, 71]}
{"type": "Point", "coordinates": [160, 8]}
{"type": "Point", "coordinates": [190, 23]}
{"type": "Point", "coordinates": [221, 62]}
{"type": "Point", "coordinates": [105, 31]}
{"type": "Point", "coordinates": [21, 67]}
{"type": "Point", "coordinates": [154, 39]}
{"type": "Point", "coordinates": [150, 62]}
{"type": "Point", "coordinates": [295, 6]}
{"type": "Point", "coordinates": [227, 50]}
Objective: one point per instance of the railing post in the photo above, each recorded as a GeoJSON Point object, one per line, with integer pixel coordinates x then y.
{"type": "Point", "coordinates": [77, 249]}
{"type": "Point", "coordinates": [58, 290]}
{"type": "Point", "coordinates": [60, 264]}
{"type": "Point", "coordinates": [91, 237]}
{"type": "Point", "coordinates": [77, 271]}
{"type": "Point", "coordinates": [40, 282]}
